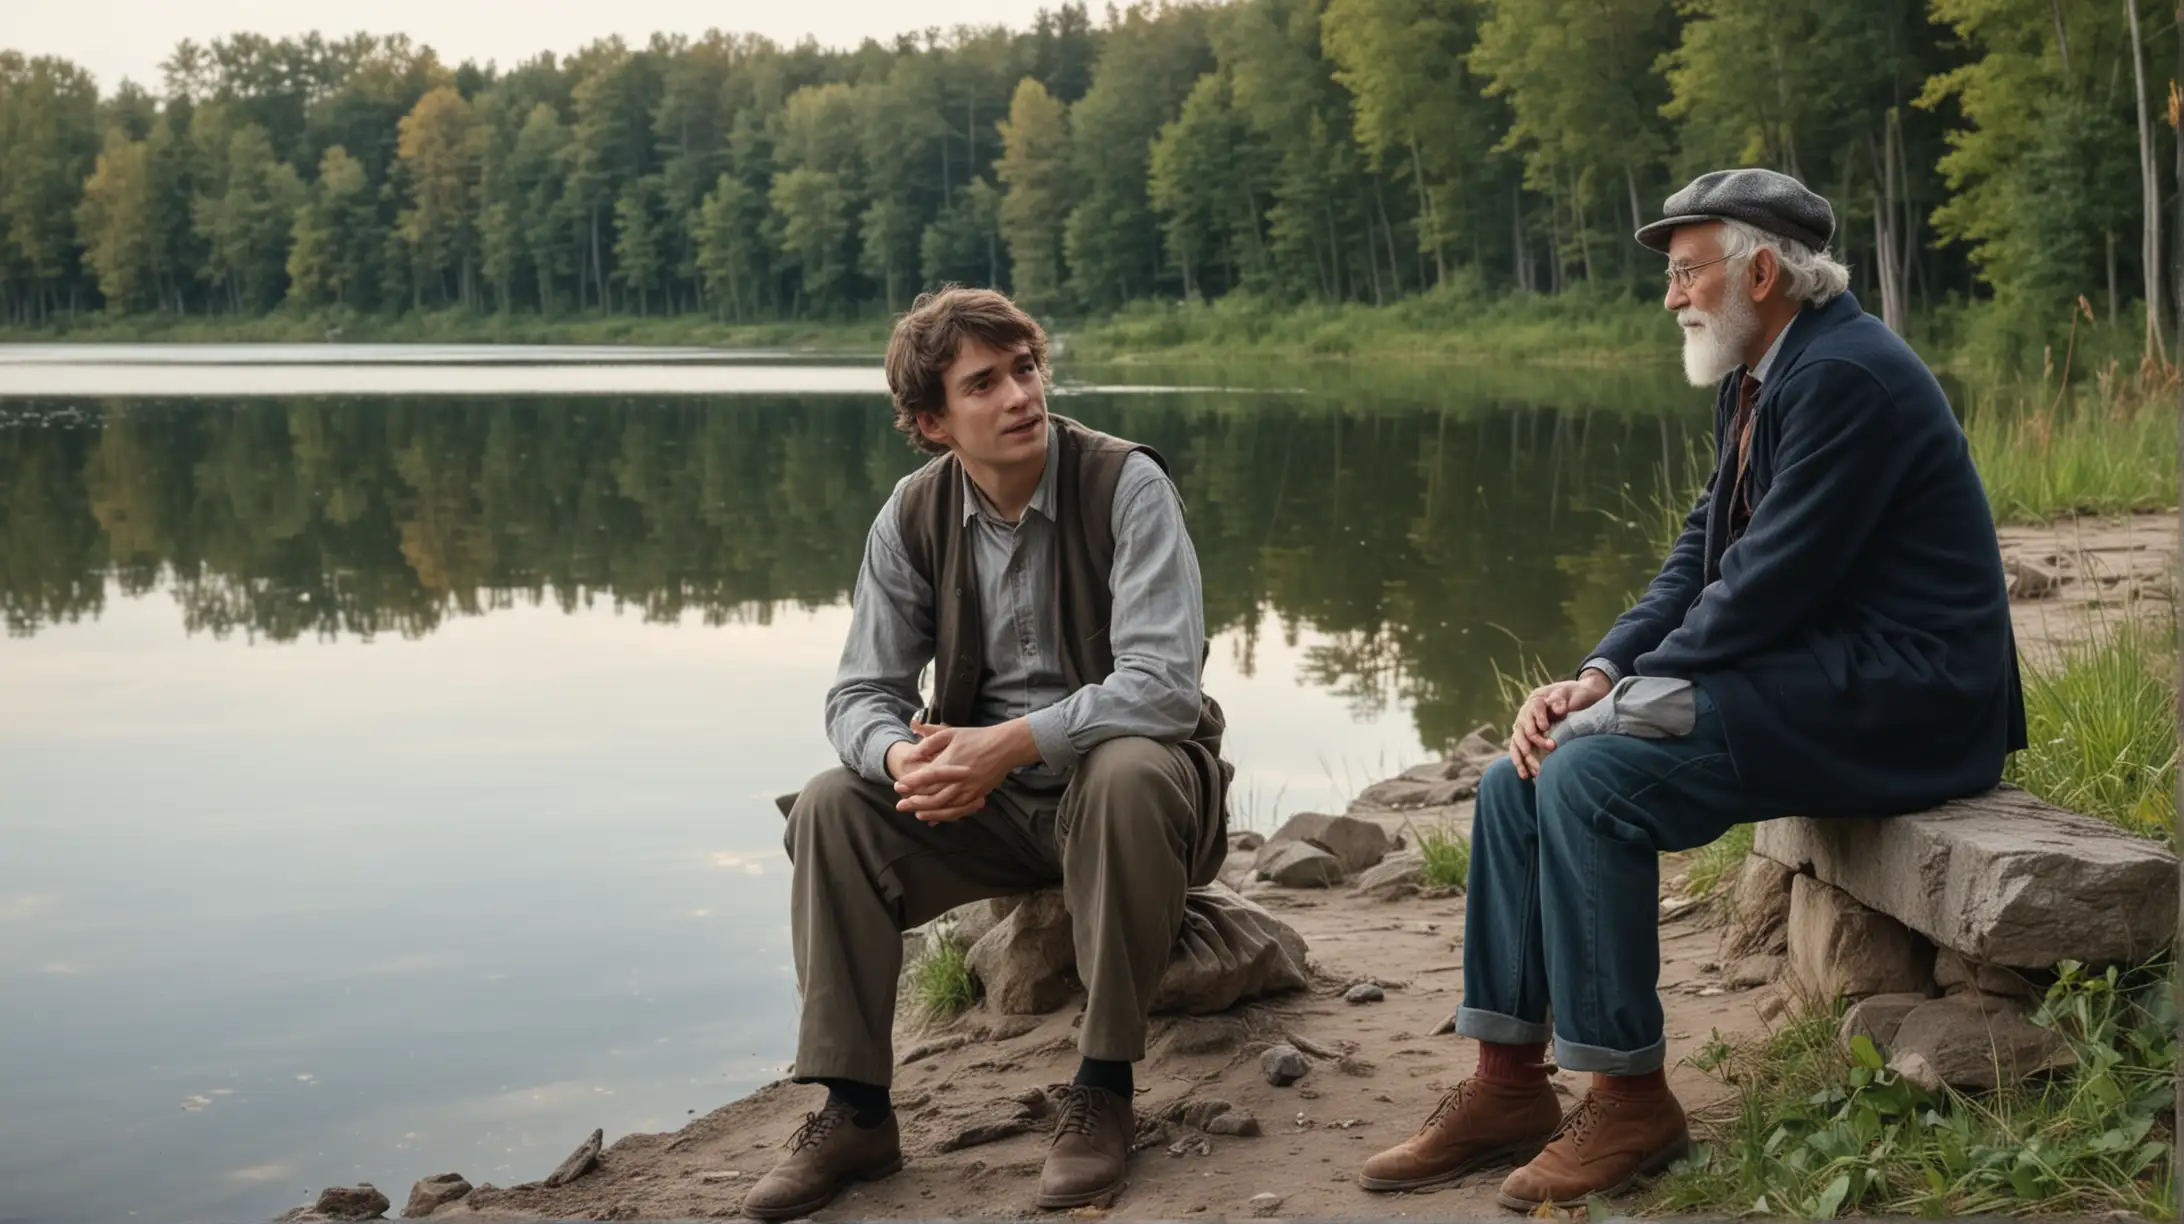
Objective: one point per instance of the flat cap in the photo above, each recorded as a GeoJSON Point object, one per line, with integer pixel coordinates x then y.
{"type": "Point", "coordinates": [1766, 199]}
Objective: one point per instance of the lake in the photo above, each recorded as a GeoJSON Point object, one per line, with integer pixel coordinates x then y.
{"type": "Point", "coordinates": [390, 735]}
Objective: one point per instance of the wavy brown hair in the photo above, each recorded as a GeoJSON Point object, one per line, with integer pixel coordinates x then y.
{"type": "Point", "coordinates": [927, 339]}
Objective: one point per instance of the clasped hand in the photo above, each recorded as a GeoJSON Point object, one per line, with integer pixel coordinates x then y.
{"type": "Point", "coordinates": [948, 772]}
{"type": "Point", "coordinates": [1528, 740]}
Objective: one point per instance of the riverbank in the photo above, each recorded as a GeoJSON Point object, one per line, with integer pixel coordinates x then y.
{"type": "Point", "coordinates": [1380, 1066]}
{"type": "Point", "coordinates": [861, 336]}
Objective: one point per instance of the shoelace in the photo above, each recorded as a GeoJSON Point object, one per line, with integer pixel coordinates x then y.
{"type": "Point", "coordinates": [1451, 1099]}
{"type": "Point", "coordinates": [1579, 1124]}
{"type": "Point", "coordinates": [1081, 1108]}
{"type": "Point", "coordinates": [816, 1127]}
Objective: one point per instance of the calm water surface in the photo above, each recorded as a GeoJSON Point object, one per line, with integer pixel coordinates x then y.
{"type": "Point", "coordinates": [389, 737]}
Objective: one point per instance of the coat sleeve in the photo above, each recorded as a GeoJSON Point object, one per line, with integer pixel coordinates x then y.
{"type": "Point", "coordinates": [1837, 466]}
{"type": "Point", "coordinates": [1667, 597]}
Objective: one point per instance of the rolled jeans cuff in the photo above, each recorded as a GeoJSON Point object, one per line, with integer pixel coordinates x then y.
{"type": "Point", "coordinates": [1499, 1029]}
{"type": "Point", "coordinates": [1599, 1060]}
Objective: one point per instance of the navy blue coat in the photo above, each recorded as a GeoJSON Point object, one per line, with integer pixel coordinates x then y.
{"type": "Point", "coordinates": [1857, 636]}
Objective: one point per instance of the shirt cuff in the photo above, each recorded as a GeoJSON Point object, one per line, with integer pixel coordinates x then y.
{"type": "Point", "coordinates": [1052, 736]}
{"type": "Point", "coordinates": [874, 765]}
{"type": "Point", "coordinates": [1601, 664]}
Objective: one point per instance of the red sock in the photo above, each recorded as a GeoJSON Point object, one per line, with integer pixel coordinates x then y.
{"type": "Point", "coordinates": [1517, 1065]}
{"type": "Point", "coordinates": [1632, 1087]}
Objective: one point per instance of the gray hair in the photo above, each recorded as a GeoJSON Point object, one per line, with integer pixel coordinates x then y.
{"type": "Point", "coordinates": [1814, 277]}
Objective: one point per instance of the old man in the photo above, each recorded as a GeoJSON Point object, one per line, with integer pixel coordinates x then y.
{"type": "Point", "coordinates": [1829, 635]}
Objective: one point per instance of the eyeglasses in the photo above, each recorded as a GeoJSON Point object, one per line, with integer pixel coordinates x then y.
{"type": "Point", "coordinates": [1681, 275]}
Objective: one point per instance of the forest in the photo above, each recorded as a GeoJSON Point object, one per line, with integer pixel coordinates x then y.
{"type": "Point", "coordinates": [1997, 160]}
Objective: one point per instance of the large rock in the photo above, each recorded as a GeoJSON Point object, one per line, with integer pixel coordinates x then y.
{"type": "Point", "coordinates": [1357, 843]}
{"type": "Point", "coordinates": [580, 1162]}
{"type": "Point", "coordinates": [970, 923]}
{"type": "Point", "coordinates": [432, 1193]}
{"type": "Point", "coordinates": [1478, 748]}
{"type": "Point", "coordinates": [1229, 950]}
{"type": "Point", "coordinates": [2003, 878]}
{"type": "Point", "coordinates": [1972, 1044]}
{"type": "Point", "coordinates": [1839, 947]}
{"type": "Point", "coordinates": [1759, 908]}
{"type": "Point", "coordinates": [1299, 865]}
{"type": "Point", "coordinates": [1024, 962]}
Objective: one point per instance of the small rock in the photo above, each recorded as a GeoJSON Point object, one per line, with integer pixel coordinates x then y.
{"type": "Point", "coordinates": [1246, 841]}
{"type": "Point", "coordinates": [1478, 748]}
{"type": "Point", "coordinates": [1238, 1122]}
{"type": "Point", "coordinates": [1283, 1065]}
{"type": "Point", "coordinates": [1357, 843]}
{"type": "Point", "coordinates": [1759, 907]}
{"type": "Point", "coordinates": [1879, 1018]}
{"type": "Point", "coordinates": [1755, 970]}
{"type": "Point", "coordinates": [1915, 1069]}
{"type": "Point", "coordinates": [1196, 1114]}
{"type": "Point", "coordinates": [432, 1193]}
{"type": "Point", "coordinates": [2029, 579]}
{"type": "Point", "coordinates": [1265, 1204]}
{"type": "Point", "coordinates": [1299, 865]}
{"type": "Point", "coordinates": [359, 1202]}
{"type": "Point", "coordinates": [1393, 877]}
{"type": "Point", "coordinates": [1771, 1006]}
{"type": "Point", "coordinates": [1365, 992]}
{"type": "Point", "coordinates": [1033, 1103]}
{"type": "Point", "coordinates": [1393, 795]}
{"type": "Point", "coordinates": [1190, 1145]}
{"type": "Point", "coordinates": [1956, 974]}
{"type": "Point", "coordinates": [978, 1134]}
{"type": "Point", "coordinates": [1008, 1028]}
{"type": "Point", "coordinates": [581, 1161]}
{"type": "Point", "coordinates": [1024, 962]}
{"type": "Point", "coordinates": [939, 1045]}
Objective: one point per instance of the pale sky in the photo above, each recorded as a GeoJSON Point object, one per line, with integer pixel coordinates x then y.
{"type": "Point", "coordinates": [128, 38]}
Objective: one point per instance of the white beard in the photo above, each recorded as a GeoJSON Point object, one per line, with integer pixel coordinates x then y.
{"type": "Point", "coordinates": [1716, 346]}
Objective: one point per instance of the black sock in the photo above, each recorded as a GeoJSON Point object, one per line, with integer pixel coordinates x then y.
{"type": "Point", "coordinates": [868, 1103]}
{"type": "Point", "coordinates": [1106, 1073]}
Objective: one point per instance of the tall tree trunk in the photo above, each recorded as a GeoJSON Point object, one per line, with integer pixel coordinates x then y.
{"type": "Point", "coordinates": [2149, 176]}
{"type": "Point", "coordinates": [598, 279]}
{"type": "Point", "coordinates": [1516, 221]}
{"type": "Point", "coordinates": [1888, 238]}
{"type": "Point", "coordinates": [2062, 36]}
{"type": "Point", "coordinates": [2176, 123]}
{"type": "Point", "coordinates": [1427, 215]}
{"type": "Point", "coordinates": [2111, 236]}
{"type": "Point", "coordinates": [1584, 234]}
{"type": "Point", "coordinates": [1387, 231]}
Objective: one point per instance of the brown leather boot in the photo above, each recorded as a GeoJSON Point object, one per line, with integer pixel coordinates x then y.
{"type": "Point", "coordinates": [1479, 1123]}
{"type": "Point", "coordinates": [1091, 1152]}
{"type": "Point", "coordinates": [827, 1153]}
{"type": "Point", "coordinates": [1606, 1146]}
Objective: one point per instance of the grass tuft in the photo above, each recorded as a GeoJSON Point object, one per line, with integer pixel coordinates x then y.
{"type": "Point", "coordinates": [2101, 730]}
{"type": "Point", "coordinates": [1817, 1130]}
{"type": "Point", "coordinates": [2108, 450]}
{"type": "Point", "coordinates": [1448, 857]}
{"type": "Point", "coordinates": [941, 987]}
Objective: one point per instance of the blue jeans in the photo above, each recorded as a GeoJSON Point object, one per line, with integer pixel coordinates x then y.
{"type": "Point", "coordinates": [1562, 916]}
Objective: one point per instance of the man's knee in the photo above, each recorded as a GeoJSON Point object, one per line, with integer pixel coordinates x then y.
{"type": "Point", "coordinates": [826, 808]}
{"type": "Point", "coordinates": [1127, 783]}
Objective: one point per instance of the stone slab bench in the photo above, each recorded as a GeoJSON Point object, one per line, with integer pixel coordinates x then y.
{"type": "Point", "coordinates": [2003, 878]}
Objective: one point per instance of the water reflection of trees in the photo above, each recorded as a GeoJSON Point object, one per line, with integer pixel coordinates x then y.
{"type": "Point", "coordinates": [1414, 542]}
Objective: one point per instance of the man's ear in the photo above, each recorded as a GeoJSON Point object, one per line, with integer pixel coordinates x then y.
{"type": "Point", "coordinates": [1766, 273]}
{"type": "Point", "coordinates": [934, 427]}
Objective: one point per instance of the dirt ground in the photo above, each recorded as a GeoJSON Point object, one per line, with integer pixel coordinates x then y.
{"type": "Point", "coordinates": [1377, 1067]}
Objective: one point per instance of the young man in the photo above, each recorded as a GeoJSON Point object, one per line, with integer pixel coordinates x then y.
{"type": "Point", "coordinates": [1043, 570]}
{"type": "Point", "coordinates": [1830, 635]}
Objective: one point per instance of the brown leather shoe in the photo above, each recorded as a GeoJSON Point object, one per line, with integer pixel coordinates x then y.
{"type": "Point", "coordinates": [1478, 1124]}
{"type": "Point", "coordinates": [827, 1153]}
{"type": "Point", "coordinates": [1089, 1159]}
{"type": "Point", "coordinates": [1606, 1146]}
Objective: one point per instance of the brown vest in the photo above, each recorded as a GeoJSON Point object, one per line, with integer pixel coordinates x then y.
{"type": "Point", "coordinates": [936, 539]}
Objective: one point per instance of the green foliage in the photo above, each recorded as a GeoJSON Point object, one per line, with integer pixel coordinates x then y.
{"type": "Point", "coordinates": [2107, 452]}
{"type": "Point", "coordinates": [1714, 864]}
{"type": "Point", "coordinates": [2101, 727]}
{"type": "Point", "coordinates": [1448, 857]}
{"type": "Point", "coordinates": [941, 986]}
{"type": "Point", "coordinates": [1317, 155]}
{"type": "Point", "coordinates": [1817, 1130]}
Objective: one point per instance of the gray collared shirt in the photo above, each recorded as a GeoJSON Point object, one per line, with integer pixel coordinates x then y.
{"type": "Point", "coordinates": [1157, 630]}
